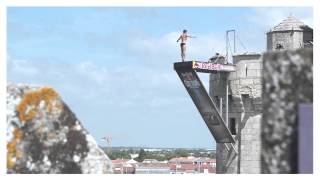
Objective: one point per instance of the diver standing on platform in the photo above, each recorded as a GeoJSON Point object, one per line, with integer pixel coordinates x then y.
{"type": "Point", "coordinates": [183, 37]}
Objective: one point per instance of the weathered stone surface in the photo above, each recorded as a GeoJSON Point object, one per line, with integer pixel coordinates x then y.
{"type": "Point", "coordinates": [44, 136]}
{"type": "Point", "coordinates": [245, 107]}
{"type": "Point", "coordinates": [289, 24]}
{"type": "Point", "coordinates": [246, 82]}
{"type": "Point", "coordinates": [287, 81]}
{"type": "Point", "coordinates": [291, 33]}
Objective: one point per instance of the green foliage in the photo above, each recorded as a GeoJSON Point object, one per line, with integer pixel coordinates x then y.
{"type": "Point", "coordinates": [142, 156]}
{"type": "Point", "coordinates": [119, 155]}
{"type": "Point", "coordinates": [131, 151]}
{"type": "Point", "coordinates": [158, 155]}
{"type": "Point", "coordinates": [182, 153]}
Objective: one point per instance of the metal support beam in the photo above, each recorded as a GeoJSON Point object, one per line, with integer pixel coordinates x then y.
{"type": "Point", "coordinates": [207, 108]}
{"type": "Point", "coordinates": [235, 151]}
{"type": "Point", "coordinates": [232, 146]}
{"type": "Point", "coordinates": [227, 103]}
{"type": "Point", "coordinates": [221, 106]}
{"type": "Point", "coordinates": [227, 147]}
{"type": "Point", "coordinates": [234, 41]}
{"type": "Point", "coordinates": [227, 42]}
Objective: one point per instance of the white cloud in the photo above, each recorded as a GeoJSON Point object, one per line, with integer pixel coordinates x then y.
{"type": "Point", "coordinates": [153, 49]}
{"type": "Point", "coordinates": [165, 49]}
{"type": "Point", "coordinates": [123, 85]}
{"type": "Point", "coordinates": [22, 67]}
{"type": "Point", "coordinates": [272, 16]}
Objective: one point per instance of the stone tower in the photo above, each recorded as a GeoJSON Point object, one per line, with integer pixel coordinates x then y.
{"type": "Point", "coordinates": [291, 33]}
{"type": "Point", "coordinates": [244, 94]}
{"type": "Point", "coordinates": [244, 114]}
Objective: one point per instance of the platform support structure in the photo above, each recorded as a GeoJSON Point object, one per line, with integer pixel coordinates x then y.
{"type": "Point", "coordinates": [227, 103]}
{"type": "Point", "coordinates": [211, 114]}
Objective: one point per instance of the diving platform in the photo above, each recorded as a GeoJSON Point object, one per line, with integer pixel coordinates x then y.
{"type": "Point", "coordinates": [187, 71]}
{"type": "Point", "coordinates": [205, 67]}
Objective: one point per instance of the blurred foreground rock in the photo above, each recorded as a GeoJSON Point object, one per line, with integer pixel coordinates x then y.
{"type": "Point", "coordinates": [287, 82]}
{"type": "Point", "coordinates": [44, 136]}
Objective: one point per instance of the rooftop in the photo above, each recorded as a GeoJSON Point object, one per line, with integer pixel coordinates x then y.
{"type": "Point", "coordinates": [290, 23]}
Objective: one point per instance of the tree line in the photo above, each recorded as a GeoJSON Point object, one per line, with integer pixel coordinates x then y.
{"type": "Point", "coordinates": [158, 155]}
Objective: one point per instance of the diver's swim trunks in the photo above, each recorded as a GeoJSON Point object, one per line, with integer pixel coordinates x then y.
{"type": "Point", "coordinates": [182, 44]}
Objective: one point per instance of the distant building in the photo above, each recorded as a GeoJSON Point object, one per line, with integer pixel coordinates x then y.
{"type": "Point", "coordinates": [134, 155]}
{"type": "Point", "coordinates": [152, 168]}
{"type": "Point", "coordinates": [124, 166]}
{"type": "Point", "coordinates": [154, 161]}
{"type": "Point", "coordinates": [192, 165]}
{"type": "Point", "coordinates": [132, 161]}
{"type": "Point", "coordinates": [180, 165]}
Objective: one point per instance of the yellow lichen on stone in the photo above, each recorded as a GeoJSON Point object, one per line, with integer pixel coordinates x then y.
{"type": "Point", "coordinates": [30, 104]}
{"type": "Point", "coordinates": [12, 151]}
{"type": "Point", "coordinates": [10, 156]}
{"type": "Point", "coordinates": [33, 104]}
{"type": "Point", "coordinates": [46, 99]}
{"type": "Point", "coordinates": [17, 133]}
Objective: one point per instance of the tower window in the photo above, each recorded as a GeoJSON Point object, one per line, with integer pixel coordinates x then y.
{"type": "Point", "coordinates": [244, 96]}
{"type": "Point", "coordinates": [279, 46]}
{"type": "Point", "coordinates": [230, 101]}
{"type": "Point", "coordinates": [216, 98]}
{"type": "Point", "coordinates": [232, 126]}
{"type": "Point", "coordinates": [245, 99]}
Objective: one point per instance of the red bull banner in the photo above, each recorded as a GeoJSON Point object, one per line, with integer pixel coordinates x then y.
{"type": "Point", "coordinates": [208, 66]}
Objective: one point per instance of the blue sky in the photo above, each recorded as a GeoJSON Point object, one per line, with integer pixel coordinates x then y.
{"type": "Point", "coordinates": [114, 66]}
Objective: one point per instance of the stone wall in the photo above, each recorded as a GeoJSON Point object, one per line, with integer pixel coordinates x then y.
{"type": "Point", "coordinates": [288, 39]}
{"type": "Point", "coordinates": [287, 82]}
{"type": "Point", "coordinates": [245, 107]}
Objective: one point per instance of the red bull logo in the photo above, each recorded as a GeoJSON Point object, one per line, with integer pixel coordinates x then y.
{"type": "Point", "coordinates": [211, 66]}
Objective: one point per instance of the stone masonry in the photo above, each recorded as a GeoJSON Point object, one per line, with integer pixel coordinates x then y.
{"type": "Point", "coordinates": [244, 114]}
{"type": "Point", "coordinates": [245, 98]}
{"type": "Point", "coordinates": [289, 34]}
